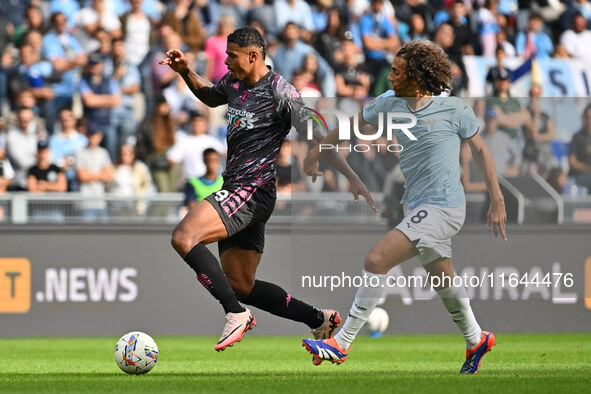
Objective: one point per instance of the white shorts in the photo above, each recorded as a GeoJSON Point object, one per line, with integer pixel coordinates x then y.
{"type": "Point", "coordinates": [430, 228]}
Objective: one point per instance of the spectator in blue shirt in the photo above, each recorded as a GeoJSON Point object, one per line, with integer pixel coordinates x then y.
{"type": "Point", "coordinates": [66, 7]}
{"type": "Point", "coordinates": [65, 54]}
{"type": "Point", "coordinates": [534, 41]}
{"type": "Point", "coordinates": [64, 146]}
{"type": "Point", "coordinates": [30, 73]}
{"type": "Point", "coordinates": [296, 11]}
{"type": "Point", "coordinates": [128, 78]}
{"type": "Point", "coordinates": [379, 38]}
{"type": "Point", "coordinates": [290, 56]}
{"type": "Point", "coordinates": [99, 95]}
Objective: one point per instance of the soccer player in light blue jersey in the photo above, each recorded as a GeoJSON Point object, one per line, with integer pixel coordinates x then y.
{"type": "Point", "coordinates": [434, 198]}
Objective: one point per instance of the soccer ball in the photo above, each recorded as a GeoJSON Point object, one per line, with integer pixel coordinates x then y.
{"type": "Point", "coordinates": [136, 353]}
{"type": "Point", "coordinates": [377, 322]}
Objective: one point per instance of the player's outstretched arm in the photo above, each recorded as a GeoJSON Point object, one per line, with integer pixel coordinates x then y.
{"type": "Point", "coordinates": [331, 139]}
{"type": "Point", "coordinates": [334, 159]}
{"type": "Point", "coordinates": [176, 59]}
{"type": "Point", "coordinates": [357, 187]}
{"type": "Point", "coordinates": [497, 215]}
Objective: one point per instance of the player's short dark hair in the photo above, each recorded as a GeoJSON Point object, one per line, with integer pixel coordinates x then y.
{"type": "Point", "coordinates": [428, 65]}
{"type": "Point", "coordinates": [209, 151]}
{"type": "Point", "coordinates": [248, 37]}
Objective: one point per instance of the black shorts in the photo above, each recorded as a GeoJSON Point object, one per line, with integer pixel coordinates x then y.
{"type": "Point", "coordinates": [244, 210]}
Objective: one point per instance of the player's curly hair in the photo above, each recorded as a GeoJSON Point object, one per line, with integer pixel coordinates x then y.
{"type": "Point", "coordinates": [428, 65]}
{"type": "Point", "coordinates": [248, 37]}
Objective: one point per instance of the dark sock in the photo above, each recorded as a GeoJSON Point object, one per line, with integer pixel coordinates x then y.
{"type": "Point", "coordinates": [210, 275]}
{"type": "Point", "coordinates": [275, 300]}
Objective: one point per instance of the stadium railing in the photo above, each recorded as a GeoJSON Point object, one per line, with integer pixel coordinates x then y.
{"type": "Point", "coordinates": [167, 208]}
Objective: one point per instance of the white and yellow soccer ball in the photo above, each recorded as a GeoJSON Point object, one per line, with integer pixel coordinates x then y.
{"type": "Point", "coordinates": [136, 353]}
{"type": "Point", "coordinates": [377, 322]}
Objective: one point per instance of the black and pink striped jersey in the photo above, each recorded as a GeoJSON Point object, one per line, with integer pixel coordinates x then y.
{"type": "Point", "coordinates": [259, 118]}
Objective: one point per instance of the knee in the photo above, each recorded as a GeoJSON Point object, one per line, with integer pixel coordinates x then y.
{"type": "Point", "coordinates": [241, 286]}
{"type": "Point", "coordinates": [375, 263]}
{"type": "Point", "coordinates": [183, 241]}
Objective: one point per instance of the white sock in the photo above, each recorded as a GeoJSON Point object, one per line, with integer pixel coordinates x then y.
{"type": "Point", "coordinates": [366, 299]}
{"type": "Point", "coordinates": [457, 302]}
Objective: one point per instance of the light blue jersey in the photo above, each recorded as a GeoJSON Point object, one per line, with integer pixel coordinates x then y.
{"type": "Point", "coordinates": [431, 164]}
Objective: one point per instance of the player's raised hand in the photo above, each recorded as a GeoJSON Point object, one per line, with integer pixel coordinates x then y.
{"type": "Point", "coordinates": [311, 166]}
{"type": "Point", "coordinates": [357, 188]}
{"type": "Point", "coordinates": [177, 60]}
{"type": "Point", "coordinates": [497, 216]}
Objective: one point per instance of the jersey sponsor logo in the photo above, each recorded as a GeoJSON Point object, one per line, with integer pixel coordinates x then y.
{"type": "Point", "coordinates": [240, 118]}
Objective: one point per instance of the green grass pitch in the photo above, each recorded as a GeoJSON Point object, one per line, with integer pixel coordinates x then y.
{"type": "Point", "coordinates": [419, 363]}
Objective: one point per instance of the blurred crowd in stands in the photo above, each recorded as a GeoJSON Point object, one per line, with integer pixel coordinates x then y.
{"type": "Point", "coordinates": [86, 107]}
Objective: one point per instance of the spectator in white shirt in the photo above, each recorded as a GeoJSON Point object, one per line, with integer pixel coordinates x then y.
{"type": "Point", "coordinates": [90, 19]}
{"type": "Point", "coordinates": [577, 40]}
{"type": "Point", "coordinates": [6, 172]}
{"type": "Point", "coordinates": [189, 150]}
{"type": "Point", "coordinates": [21, 146]}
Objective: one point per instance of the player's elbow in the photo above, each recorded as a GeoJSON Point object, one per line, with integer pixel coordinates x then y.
{"type": "Point", "coordinates": [477, 151]}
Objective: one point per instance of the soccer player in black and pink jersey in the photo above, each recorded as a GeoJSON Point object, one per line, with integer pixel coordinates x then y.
{"type": "Point", "coordinates": [262, 107]}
